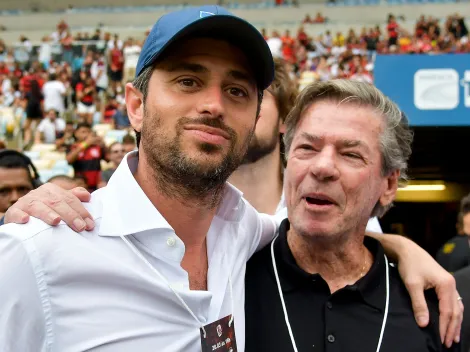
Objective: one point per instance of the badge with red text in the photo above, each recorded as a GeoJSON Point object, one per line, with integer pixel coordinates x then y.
{"type": "Point", "coordinates": [219, 336]}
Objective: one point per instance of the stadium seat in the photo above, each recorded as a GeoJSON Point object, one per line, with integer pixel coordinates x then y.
{"type": "Point", "coordinates": [101, 129]}
{"type": "Point", "coordinates": [43, 148]}
{"type": "Point", "coordinates": [32, 155]}
{"type": "Point", "coordinates": [115, 136]}
{"type": "Point", "coordinates": [43, 164]}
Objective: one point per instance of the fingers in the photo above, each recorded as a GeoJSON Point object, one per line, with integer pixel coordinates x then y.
{"type": "Point", "coordinates": [449, 312]}
{"type": "Point", "coordinates": [16, 216]}
{"type": "Point", "coordinates": [81, 193]}
{"type": "Point", "coordinates": [52, 204]}
{"type": "Point", "coordinates": [418, 302]}
{"type": "Point", "coordinates": [70, 209]}
{"type": "Point", "coordinates": [455, 325]}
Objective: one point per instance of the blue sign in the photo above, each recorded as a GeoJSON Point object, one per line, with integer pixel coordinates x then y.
{"type": "Point", "coordinates": [433, 90]}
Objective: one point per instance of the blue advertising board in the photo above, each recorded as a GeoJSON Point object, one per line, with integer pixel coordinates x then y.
{"type": "Point", "coordinates": [433, 90]}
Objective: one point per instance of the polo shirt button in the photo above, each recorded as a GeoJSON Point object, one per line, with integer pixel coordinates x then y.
{"type": "Point", "coordinates": [170, 242]}
{"type": "Point", "coordinates": [331, 338]}
{"type": "Point", "coordinates": [329, 305]}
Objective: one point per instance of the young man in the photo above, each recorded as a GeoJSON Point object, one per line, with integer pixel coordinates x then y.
{"type": "Point", "coordinates": [171, 232]}
{"type": "Point", "coordinates": [115, 154]}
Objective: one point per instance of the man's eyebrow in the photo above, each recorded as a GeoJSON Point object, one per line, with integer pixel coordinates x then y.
{"type": "Point", "coordinates": [242, 76]}
{"type": "Point", "coordinates": [185, 66]}
{"type": "Point", "coordinates": [350, 143]}
{"type": "Point", "coordinates": [310, 137]}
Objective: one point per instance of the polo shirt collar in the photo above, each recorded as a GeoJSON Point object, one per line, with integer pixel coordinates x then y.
{"type": "Point", "coordinates": [371, 287]}
{"type": "Point", "coordinates": [127, 210]}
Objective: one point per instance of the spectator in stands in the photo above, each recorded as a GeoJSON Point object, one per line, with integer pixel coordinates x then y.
{"type": "Point", "coordinates": [15, 180]}
{"type": "Point", "coordinates": [64, 143]}
{"type": "Point", "coordinates": [392, 30]}
{"type": "Point", "coordinates": [115, 154]}
{"type": "Point", "coordinates": [33, 111]}
{"type": "Point", "coordinates": [319, 18]}
{"type": "Point", "coordinates": [128, 142]}
{"type": "Point", "coordinates": [116, 67]}
{"type": "Point", "coordinates": [275, 44]}
{"type": "Point", "coordinates": [86, 98]}
{"type": "Point", "coordinates": [120, 118]}
{"type": "Point", "coordinates": [455, 254]}
{"type": "Point", "coordinates": [50, 128]}
{"type": "Point", "coordinates": [54, 92]}
{"type": "Point", "coordinates": [67, 182]}
{"type": "Point", "coordinates": [307, 19]}
{"type": "Point", "coordinates": [99, 73]}
{"type": "Point", "coordinates": [131, 54]}
{"type": "Point", "coordinates": [86, 154]}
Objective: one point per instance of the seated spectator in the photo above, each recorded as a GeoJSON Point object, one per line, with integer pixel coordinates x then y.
{"type": "Point", "coordinates": [128, 142]}
{"type": "Point", "coordinates": [115, 155]}
{"type": "Point", "coordinates": [67, 182]}
{"type": "Point", "coordinates": [109, 109]}
{"type": "Point", "coordinates": [86, 154]}
{"type": "Point", "coordinates": [50, 128]}
{"type": "Point", "coordinates": [307, 19]}
{"type": "Point", "coordinates": [65, 141]}
{"type": "Point", "coordinates": [319, 18]}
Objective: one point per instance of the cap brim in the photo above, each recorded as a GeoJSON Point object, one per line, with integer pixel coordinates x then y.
{"type": "Point", "coordinates": [238, 32]}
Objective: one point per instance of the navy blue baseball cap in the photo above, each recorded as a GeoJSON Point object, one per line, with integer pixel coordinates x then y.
{"type": "Point", "coordinates": [210, 21]}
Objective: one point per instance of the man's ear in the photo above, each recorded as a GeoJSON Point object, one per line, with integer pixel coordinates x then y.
{"type": "Point", "coordinates": [135, 106]}
{"type": "Point", "coordinates": [282, 127]}
{"type": "Point", "coordinates": [390, 188]}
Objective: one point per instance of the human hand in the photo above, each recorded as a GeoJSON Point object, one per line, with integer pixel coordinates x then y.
{"type": "Point", "coordinates": [51, 204]}
{"type": "Point", "coordinates": [419, 271]}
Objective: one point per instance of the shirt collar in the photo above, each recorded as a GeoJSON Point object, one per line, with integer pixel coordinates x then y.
{"type": "Point", "coordinates": [371, 288]}
{"type": "Point", "coordinates": [127, 209]}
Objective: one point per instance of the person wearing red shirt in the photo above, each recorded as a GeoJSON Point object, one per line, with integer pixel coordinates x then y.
{"type": "Point", "coordinates": [116, 66]}
{"type": "Point", "coordinates": [288, 47]}
{"type": "Point", "coordinates": [392, 29]}
{"type": "Point", "coordinates": [86, 154]}
{"type": "Point", "coordinates": [86, 95]}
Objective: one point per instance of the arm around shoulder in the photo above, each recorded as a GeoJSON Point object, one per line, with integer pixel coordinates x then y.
{"type": "Point", "coordinates": [22, 300]}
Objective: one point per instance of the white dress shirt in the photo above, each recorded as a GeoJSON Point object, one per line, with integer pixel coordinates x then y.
{"type": "Point", "coordinates": [61, 291]}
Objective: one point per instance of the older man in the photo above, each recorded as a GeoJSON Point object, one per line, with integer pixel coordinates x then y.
{"type": "Point", "coordinates": [320, 285]}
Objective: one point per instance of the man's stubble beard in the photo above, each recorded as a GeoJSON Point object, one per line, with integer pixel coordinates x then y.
{"type": "Point", "coordinates": [177, 175]}
{"type": "Point", "coordinates": [258, 149]}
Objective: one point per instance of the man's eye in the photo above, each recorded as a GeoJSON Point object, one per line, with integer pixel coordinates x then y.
{"type": "Point", "coordinates": [352, 155]}
{"type": "Point", "coordinates": [187, 82]}
{"type": "Point", "coordinates": [237, 92]}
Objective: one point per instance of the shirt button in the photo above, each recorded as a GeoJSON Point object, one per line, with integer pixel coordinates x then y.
{"type": "Point", "coordinates": [329, 305]}
{"type": "Point", "coordinates": [171, 242]}
{"type": "Point", "coordinates": [331, 338]}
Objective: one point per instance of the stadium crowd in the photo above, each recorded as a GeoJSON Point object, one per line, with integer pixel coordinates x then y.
{"type": "Point", "coordinates": [74, 83]}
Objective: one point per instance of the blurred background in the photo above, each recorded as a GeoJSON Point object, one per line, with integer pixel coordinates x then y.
{"type": "Point", "coordinates": [67, 65]}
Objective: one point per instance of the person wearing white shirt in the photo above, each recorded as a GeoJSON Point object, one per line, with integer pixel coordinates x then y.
{"type": "Point", "coordinates": [49, 128]}
{"type": "Point", "coordinates": [54, 92]}
{"type": "Point", "coordinates": [275, 45]}
{"type": "Point", "coordinates": [131, 54]}
{"type": "Point", "coordinates": [164, 266]}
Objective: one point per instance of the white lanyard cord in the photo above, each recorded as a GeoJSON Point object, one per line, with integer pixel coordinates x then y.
{"type": "Point", "coordinates": [387, 302]}
{"type": "Point", "coordinates": [137, 252]}
{"type": "Point", "coordinates": [286, 316]}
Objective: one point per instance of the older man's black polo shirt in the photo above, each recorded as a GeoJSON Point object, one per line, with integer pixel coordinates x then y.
{"type": "Point", "coordinates": [348, 320]}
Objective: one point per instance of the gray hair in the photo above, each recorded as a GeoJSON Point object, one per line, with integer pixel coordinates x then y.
{"type": "Point", "coordinates": [395, 139]}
